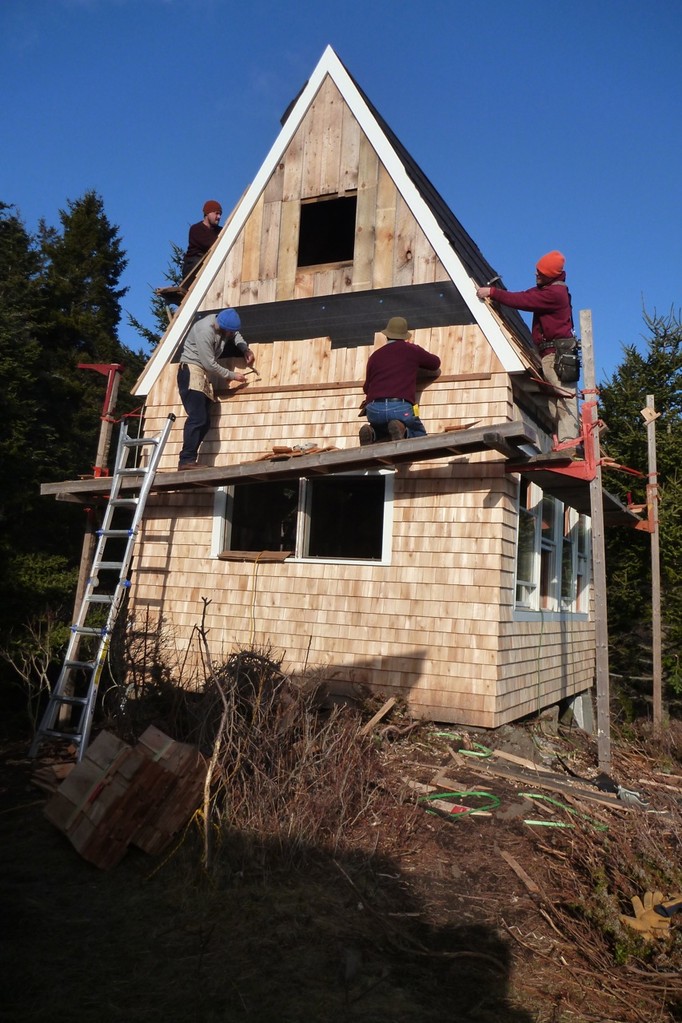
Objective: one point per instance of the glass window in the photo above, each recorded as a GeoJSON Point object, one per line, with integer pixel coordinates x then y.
{"type": "Point", "coordinates": [330, 517]}
{"type": "Point", "coordinates": [549, 567]}
{"type": "Point", "coordinates": [552, 555]}
{"type": "Point", "coordinates": [526, 551]}
{"type": "Point", "coordinates": [262, 516]}
{"type": "Point", "coordinates": [583, 554]}
{"type": "Point", "coordinates": [345, 517]}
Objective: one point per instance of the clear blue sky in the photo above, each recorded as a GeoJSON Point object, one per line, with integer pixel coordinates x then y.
{"type": "Point", "coordinates": [542, 125]}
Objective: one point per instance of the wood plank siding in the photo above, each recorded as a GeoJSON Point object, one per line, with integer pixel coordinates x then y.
{"type": "Point", "coordinates": [328, 156]}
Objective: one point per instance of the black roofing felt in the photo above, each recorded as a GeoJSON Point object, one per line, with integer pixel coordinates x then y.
{"type": "Point", "coordinates": [353, 319]}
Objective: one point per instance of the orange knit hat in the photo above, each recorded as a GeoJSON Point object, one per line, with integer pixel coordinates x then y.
{"type": "Point", "coordinates": [551, 264]}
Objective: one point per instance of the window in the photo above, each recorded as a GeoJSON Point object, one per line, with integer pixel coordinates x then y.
{"type": "Point", "coordinates": [262, 516]}
{"type": "Point", "coordinates": [342, 517]}
{"type": "Point", "coordinates": [568, 565]}
{"type": "Point", "coordinates": [327, 231]}
{"type": "Point", "coordinates": [526, 548]}
{"type": "Point", "coordinates": [549, 565]}
{"type": "Point", "coordinates": [552, 554]}
{"type": "Point", "coordinates": [583, 556]}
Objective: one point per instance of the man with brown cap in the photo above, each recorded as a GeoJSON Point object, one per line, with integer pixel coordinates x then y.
{"type": "Point", "coordinates": [550, 303]}
{"type": "Point", "coordinates": [202, 236]}
{"type": "Point", "coordinates": [391, 385]}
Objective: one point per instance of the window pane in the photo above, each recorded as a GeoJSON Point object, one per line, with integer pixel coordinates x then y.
{"type": "Point", "coordinates": [526, 548]}
{"type": "Point", "coordinates": [264, 516]}
{"type": "Point", "coordinates": [346, 517]}
{"type": "Point", "coordinates": [548, 517]}
{"type": "Point", "coordinates": [567, 571]}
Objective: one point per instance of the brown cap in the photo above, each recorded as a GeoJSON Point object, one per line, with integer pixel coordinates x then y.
{"type": "Point", "coordinates": [212, 207]}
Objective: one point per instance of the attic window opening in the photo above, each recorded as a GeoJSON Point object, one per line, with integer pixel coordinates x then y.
{"type": "Point", "coordinates": [327, 231]}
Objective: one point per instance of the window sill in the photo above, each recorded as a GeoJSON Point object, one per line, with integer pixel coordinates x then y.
{"type": "Point", "coordinates": [270, 556]}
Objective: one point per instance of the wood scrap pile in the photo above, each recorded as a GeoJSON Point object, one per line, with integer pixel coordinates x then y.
{"type": "Point", "coordinates": [121, 795]}
{"type": "Point", "coordinates": [282, 452]}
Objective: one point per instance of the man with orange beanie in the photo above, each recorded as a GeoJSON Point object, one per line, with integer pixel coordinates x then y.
{"type": "Point", "coordinates": [550, 303]}
{"type": "Point", "coordinates": [202, 236]}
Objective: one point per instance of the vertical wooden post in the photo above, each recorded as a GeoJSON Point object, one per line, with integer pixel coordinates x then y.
{"type": "Point", "coordinates": [107, 423]}
{"type": "Point", "coordinates": [598, 554]}
{"type": "Point", "coordinates": [652, 503]}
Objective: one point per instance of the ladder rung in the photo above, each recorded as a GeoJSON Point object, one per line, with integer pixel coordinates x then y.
{"type": "Point", "coordinates": [108, 565]}
{"type": "Point", "coordinates": [71, 701]}
{"type": "Point", "coordinates": [138, 442]}
{"type": "Point", "coordinates": [79, 664]}
{"type": "Point", "coordinates": [54, 733]}
{"type": "Point", "coordinates": [131, 472]}
{"type": "Point", "coordinates": [100, 598]}
{"type": "Point", "coordinates": [88, 630]}
{"type": "Point", "coordinates": [123, 502]}
{"type": "Point", "coordinates": [116, 532]}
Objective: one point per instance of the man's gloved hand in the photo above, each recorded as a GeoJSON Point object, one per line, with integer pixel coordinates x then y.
{"type": "Point", "coordinates": [649, 923]}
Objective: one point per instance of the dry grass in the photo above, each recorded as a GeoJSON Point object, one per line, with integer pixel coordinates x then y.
{"type": "Point", "coordinates": [315, 887]}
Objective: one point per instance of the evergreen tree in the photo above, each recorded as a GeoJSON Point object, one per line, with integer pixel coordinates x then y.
{"type": "Point", "coordinates": [31, 577]}
{"type": "Point", "coordinates": [83, 265]}
{"type": "Point", "coordinates": [59, 306]}
{"type": "Point", "coordinates": [159, 308]}
{"type": "Point", "coordinates": [656, 371]}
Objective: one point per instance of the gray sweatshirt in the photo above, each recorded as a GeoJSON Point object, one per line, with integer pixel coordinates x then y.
{"type": "Point", "coordinates": [203, 344]}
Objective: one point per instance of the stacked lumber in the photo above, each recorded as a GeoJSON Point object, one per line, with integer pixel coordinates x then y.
{"type": "Point", "coordinates": [120, 795]}
{"type": "Point", "coordinates": [188, 769]}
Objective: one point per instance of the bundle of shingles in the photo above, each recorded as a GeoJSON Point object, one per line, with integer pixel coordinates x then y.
{"type": "Point", "coordinates": [121, 795]}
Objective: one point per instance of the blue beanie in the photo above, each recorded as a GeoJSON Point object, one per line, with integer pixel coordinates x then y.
{"type": "Point", "coordinates": [228, 319]}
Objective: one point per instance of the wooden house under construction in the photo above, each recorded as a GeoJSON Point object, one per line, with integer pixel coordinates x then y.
{"type": "Point", "coordinates": [435, 569]}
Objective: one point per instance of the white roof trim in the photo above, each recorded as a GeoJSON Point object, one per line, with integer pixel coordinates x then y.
{"type": "Point", "coordinates": [329, 64]}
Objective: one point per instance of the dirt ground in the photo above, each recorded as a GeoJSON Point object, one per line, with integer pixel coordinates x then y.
{"type": "Point", "coordinates": [422, 915]}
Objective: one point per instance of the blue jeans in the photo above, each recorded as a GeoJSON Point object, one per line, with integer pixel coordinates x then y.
{"type": "Point", "coordinates": [198, 409]}
{"type": "Point", "coordinates": [379, 414]}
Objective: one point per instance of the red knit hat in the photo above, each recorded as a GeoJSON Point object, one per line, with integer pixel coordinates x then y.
{"type": "Point", "coordinates": [212, 207]}
{"type": "Point", "coordinates": [551, 265]}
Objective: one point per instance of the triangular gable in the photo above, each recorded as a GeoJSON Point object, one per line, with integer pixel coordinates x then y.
{"type": "Point", "coordinates": [430, 223]}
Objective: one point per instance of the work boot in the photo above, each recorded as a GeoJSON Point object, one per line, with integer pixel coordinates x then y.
{"type": "Point", "coordinates": [396, 429]}
{"type": "Point", "coordinates": [188, 465]}
{"type": "Point", "coordinates": [367, 435]}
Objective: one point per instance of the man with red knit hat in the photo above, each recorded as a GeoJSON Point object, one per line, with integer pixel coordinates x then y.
{"type": "Point", "coordinates": [550, 303]}
{"type": "Point", "coordinates": [202, 236]}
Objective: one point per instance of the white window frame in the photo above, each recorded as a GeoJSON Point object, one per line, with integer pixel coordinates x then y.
{"type": "Point", "coordinates": [222, 520]}
{"type": "Point", "coordinates": [566, 535]}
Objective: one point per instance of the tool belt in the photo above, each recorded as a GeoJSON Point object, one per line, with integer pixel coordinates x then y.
{"type": "Point", "coordinates": [567, 359]}
{"type": "Point", "coordinates": [198, 379]}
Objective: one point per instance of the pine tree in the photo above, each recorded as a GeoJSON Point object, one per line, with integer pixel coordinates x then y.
{"type": "Point", "coordinates": [159, 308]}
{"type": "Point", "coordinates": [59, 305]}
{"type": "Point", "coordinates": [31, 574]}
{"type": "Point", "coordinates": [656, 371]}
{"type": "Point", "coordinates": [83, 266]}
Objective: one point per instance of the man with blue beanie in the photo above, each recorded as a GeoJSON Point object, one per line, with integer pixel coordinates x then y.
{"type": "Point", "coordinates": [204, 345]}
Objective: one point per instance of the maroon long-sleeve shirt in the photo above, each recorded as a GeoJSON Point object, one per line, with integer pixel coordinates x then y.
{"type": "Point", "coordinates": [550, 305]}
{"type": "Point", "coordinates": [392, 370]}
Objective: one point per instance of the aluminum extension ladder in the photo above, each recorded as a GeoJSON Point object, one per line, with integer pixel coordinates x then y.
{"type": "Point", "coordinates": [71, 706]}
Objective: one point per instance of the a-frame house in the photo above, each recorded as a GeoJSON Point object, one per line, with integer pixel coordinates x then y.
{"type": "Point", "coordinates": [425, 569]}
